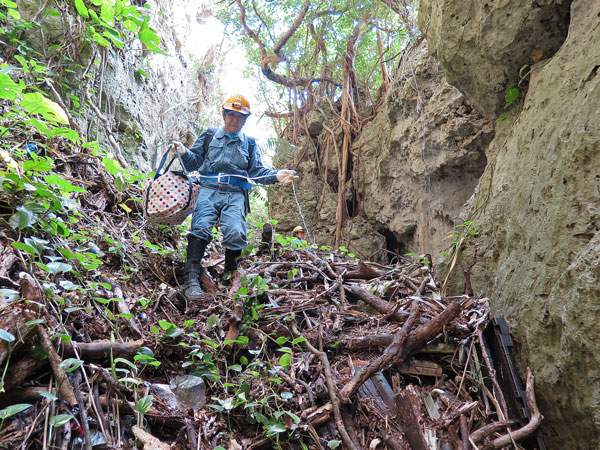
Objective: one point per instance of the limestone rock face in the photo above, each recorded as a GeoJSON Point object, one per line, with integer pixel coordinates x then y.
{"type": "Point", "coordinates": [424, 166]}
{"type": "Point", "coordinates": [538, 253]}
{"type": "Point", "coordinates": [150, 107]}
{"type": "Point", "coordinates": [482, 45]}
{"type": "Point", "coordinates": [420, 160]}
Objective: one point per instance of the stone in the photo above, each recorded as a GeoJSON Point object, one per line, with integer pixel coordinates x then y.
{"type": "Point", "coordinates": [482, 45]}
{"type": "Point", "coordinates": [538, 251]}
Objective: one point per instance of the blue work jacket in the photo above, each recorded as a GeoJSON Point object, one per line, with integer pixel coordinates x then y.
{"type": "Point", "coordinates": [227, 156]}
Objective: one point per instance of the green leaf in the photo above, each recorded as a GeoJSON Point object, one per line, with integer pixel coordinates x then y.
{"type": "Point", "coordinates": [13, 409]}
{"type": "Point", "coordinates": [286, 395]}
{"type": "Point", "coordinates": [81, 9]}
{"type": "Point", "coordinates": [70, 364]}
{"type": "Point", "coordinates": [36, 103]}
{"type": "Point", "coordinates": [511, 95]}
{"type": "Point", "coordinates": [120, 183]}
{"type": "Point", "coordinates": [8, 88]}
{"type": "Point", "coordinates": [285, 360]}
{"type": "Point", "coordinates": [100, 40]}
{"type": "Point", "coordinates": [38, 164]}
{"type": "Point", "coordinates": [212, 320]}
{"type": "Point", "coordinates": [112, 166]}
{"type": "Point", "coordinates": [48, 395]}
{"type": "Point", "coordinates": [107, 12]}
{"type": "Point", "coordinates": [6, 336]}
{"type": "Point", "coordinates": [23, 218]}
{"type": "Point", "coordinates": [298, 340]}
{"type": "Point", "coordinates": [165, 325]}
{"type": "Point", "coordinates": [281, 340]}
{"type": "Point", "coordinates": [64, 185]}
{"type": "Point", "coordinates": [25, 247]}
{"type": "Point", "coordinates": [334, 443]}
{"type": "Point", "coordinates": [173, 333]}
{"type": "Point", "coordinates": [60, 419]}
{"type": "Point", "coordinates": [9, 295]}
{"type": "Point", "coordinates": [143, 405]}
{"type": "Point", "coordinates": [58, 267]}
{"type": "Point", "coordinates": [276, 428]}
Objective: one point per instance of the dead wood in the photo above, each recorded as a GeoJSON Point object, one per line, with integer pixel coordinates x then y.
{"type": "Point", "coordinates": [464, 433]}
{"type": "Point", "coordinates": [235, 320]}
{"type": "Point", "coordinates": [21, 370]}
{"type": "Point", "coordinates": [333, 395]}
{"type": "Point", "coordinates": [64, 387]}
{"type": "Point", "coordinates": [149, 441]}
{"type": "Point", "coordinates": [409, 423]}
{"type": "Point", "coordinates": [100, 351]}
{"type": "Point", "coordinates": [530, 427]}
{"type": "Point", "coordinates": [402, 347]}
{"type": "Point", "coordinates": [394, 349]}
{"type": "Point", "coordinates": [363, 273]}
{"type": "Point", "coordinates": [380, 305]}
{"type": "Point", "coordinates": [481, 433]}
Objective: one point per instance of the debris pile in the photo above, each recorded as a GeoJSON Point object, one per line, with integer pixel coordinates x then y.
{"type": "Point", "coordinates": [303, 349]}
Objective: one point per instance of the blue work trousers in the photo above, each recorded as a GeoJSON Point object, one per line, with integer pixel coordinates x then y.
{"type": "Point", "coordinates": [230, 208]}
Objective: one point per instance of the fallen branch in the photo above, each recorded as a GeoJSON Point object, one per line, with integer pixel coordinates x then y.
{"type": "Point", "coordinates": [402, 347]}
{"type": "Point", "coordinates": [409, 423]}
{"type": "Point", "coordinates": [332, 390]}
{"type": "Point", "coordinates": [64, 388]}
{"type": "Point", "coordinates": [380, 305]}
{"type": "Point", "coordinates": [395, 348]}
{"type": "Point", "coordinates": [526, 430]}
{"type": "Point", "coordinates": [100, 351]}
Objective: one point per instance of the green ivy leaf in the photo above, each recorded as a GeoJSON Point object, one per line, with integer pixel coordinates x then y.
{"type": "Point", "coordinates": [23, 218]}
{"type": "Point", "coordinates": [143, 405]}
{"type": "Point", "coordinates": [8, 88]}
{"type": "Point", "coordinates": [285, 360]}
{"type": "Point", "coordinates": [60, 420]}
{"type": "Point", "coordinates": [70, 364]}
{"type": "Point", "coordinates": [36, 103]}
{"type": "Point", "coordinates": [81, 9]}
{"type": "Point", "coordinates": [25, 247]}
{"type": "Point", "coordinates": [13, 409]}
{"type": "Point", "coordinates": [6, 336]}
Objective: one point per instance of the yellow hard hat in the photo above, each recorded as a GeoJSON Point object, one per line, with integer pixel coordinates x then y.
{"type": "Point", "coordinates": [298, 229]}
{"type": "Point", "coordinates": [237, 103]}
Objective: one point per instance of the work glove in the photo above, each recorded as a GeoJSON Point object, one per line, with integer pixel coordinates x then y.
{"type": "Point", "coordinates": [286, 175]}
{"type": "Point", "coordinates": [179, 148]}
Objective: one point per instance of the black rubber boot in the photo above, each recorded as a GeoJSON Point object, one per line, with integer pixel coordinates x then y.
{"type": "Point", "coordinates": [195, 253]}
{"type": "Point", "coordinates": [231, 257]}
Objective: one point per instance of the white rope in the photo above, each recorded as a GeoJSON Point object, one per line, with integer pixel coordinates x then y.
{"type": "Point", "coordinates": [300, 212]}
{"type": "Point", "coordinates": [266, 176]}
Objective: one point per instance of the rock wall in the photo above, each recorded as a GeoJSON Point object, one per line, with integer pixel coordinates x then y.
{"type": "Point", "coordinates": [483, 45]}
{"type": "Point", "coordinates": [420, 160]}
{"type": "Point", "coordinates": [145, 111]}
{"type": "Point", "coordinates": [538, 255]}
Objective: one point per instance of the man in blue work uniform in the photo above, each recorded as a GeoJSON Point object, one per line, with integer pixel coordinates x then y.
{"type": "Point", "coordinates": [224, 166]}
